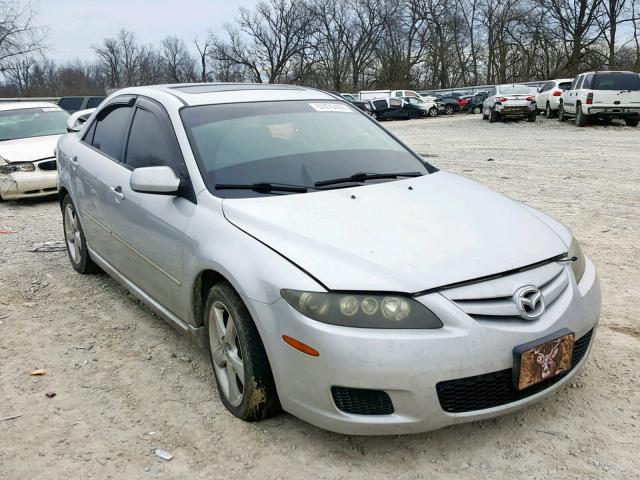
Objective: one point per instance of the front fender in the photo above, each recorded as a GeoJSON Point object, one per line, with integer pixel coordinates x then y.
{"type": "Point", "coordinates": [254, 270]}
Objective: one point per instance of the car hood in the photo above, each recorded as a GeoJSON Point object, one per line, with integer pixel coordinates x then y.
{"type": "Point", "coordinates": [28, 149]}
{"type": "Point", "coordinates": [402, 236]}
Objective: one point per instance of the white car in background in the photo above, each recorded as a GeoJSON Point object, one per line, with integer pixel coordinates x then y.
{"type": "Point", "coordinates": [548, 96]}
{"type": "Point", "coordinates": [29, 132]}
{"type": "Point", "coordinates": [603, 95]}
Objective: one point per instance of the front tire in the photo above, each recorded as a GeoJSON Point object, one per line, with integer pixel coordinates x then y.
{"type": "Point", "coordinates": [433, 112]}
{"type": "Point", "coordinates": [240, 364]}
{"type": "Point", "coordinates": [449, 110]}
{"type": "Point", "coordinates": [561, 116]}
{"type": "Point", "coordinates": [631, 122]}
{"type": "Point", "coordinates": [493, 116]}
{"type": "Point", "coordinates": [75, 240]}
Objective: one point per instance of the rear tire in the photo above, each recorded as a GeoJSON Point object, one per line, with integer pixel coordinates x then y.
{"type": "Point", "coordinates": [581, 118]}
{"type": "Point", "coordinates": [75, 240]}
{"type": "Point", "coordinates": [449, 110]}
{"type": "Point", "coordinates": [413, 114]}
{"type": "Point", "coordinates": [548, 112]}
{"type": "Point", "coordinates": [532, 116]}
{"type": "Point", "coordinates": [493, 116]}
{"type": "Point", "coordinates": [631, 122]}
{"type": "Point", "coordinates": [240, 364]}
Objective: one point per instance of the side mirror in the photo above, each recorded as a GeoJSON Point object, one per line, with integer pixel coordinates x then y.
{"type": "Point", "coordinates": [162, 180]}
{"type": "Point", "coordinates": [77, 119]}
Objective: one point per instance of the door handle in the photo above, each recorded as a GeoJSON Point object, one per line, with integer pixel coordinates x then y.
{"type": "Point", "coordinates": [74, 162]}
{"type": "Point", "coordinates": [117, 193]}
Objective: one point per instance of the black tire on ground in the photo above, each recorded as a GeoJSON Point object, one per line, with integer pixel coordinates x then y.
{"type": "Point", "coordinates": [449, 110]}
{"type": "Point", "coordinates": [493, 116]}
{"type": "Point", "coordinates": [82, 263]}
{"type": "Point", "coordinates": [581, 118]}
{"type": "Point", "coordinates": [631, 122]}
{"type": "Point", "coordinates": [260, 398]}
{"type": "Point", "coordinates": [477, 110]}
{"type": "Point", "coordinates": [433, 112]}
{"type": "Point", "coordinates": [561, 116]}
{"type": "Point", "coordinates": [413, 114]}
{"type": "Point", "coordinates": [548, 112]}
{"type": "Point", "coordinates": [532, 116]}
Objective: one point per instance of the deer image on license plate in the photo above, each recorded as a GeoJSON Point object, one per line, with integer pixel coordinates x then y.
{"type": "Point", "coordinates": [543, 359]}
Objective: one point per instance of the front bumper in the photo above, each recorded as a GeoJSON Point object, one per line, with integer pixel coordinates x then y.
{"type": "Point", "coordinates": [38, 183]}
{"type": "Point", "coordinates": [408, 365]}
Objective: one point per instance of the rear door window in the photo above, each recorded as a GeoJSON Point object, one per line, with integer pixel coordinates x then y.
{"type": "Point", "coordinates": [111, 130]}
{"type": "Point", "coordinates": [564, 86]}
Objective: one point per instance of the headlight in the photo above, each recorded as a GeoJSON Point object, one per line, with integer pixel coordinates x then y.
{"type": "Point", "coordinates": [362, 310]}
{"type": "Point", "coordinates": [579, 264]}
{"type": "Point", "coordinates": [17, 167]}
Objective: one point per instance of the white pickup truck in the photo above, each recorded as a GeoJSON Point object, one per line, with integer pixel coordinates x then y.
{"type": "Point", "coordinates": [604, 95]}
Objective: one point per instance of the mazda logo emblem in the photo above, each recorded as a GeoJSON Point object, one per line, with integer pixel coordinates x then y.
{"type": "Point", "coordinates": [529, 301]}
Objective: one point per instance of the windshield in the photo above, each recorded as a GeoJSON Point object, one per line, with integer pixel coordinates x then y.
{"type": "Point", "coordinates": [616, 81]}
{"type": "Point", "coordinates": [289, 142]}
{"type": "Point", "coordinates": [514, 90]}
{"type": "Point", "coordinates": [32, 122]}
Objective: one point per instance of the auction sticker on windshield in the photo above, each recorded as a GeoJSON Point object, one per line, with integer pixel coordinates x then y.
{"type": "Point", "coordinates": [330, 107]}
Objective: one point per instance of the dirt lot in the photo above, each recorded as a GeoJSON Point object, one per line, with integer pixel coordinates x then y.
{"type": "Point", "coordinates": [126, 383]}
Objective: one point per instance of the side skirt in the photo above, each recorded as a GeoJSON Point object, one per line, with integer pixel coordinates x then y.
{"type": "Point", "coordinates": [197, 334]}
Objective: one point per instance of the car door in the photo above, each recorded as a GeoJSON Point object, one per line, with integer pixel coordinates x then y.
{"type": "Point", "coordinates": [543, 96]}
{"type": "Point", "coordinates": [95, 163]}
{"type": "Point", "coordinates": [571, 95]}
{"type": "Point", "coordinates": [150, 228]}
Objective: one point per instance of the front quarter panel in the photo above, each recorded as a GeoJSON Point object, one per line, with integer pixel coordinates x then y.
{"type": "Point", "coordinates": [255, 271]}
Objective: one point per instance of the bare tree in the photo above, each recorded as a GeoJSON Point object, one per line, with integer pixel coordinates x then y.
{"type": "Point", "coordinates": [20, 36]}
{"type": "Point", "coordinates": [268, 38]}
{"type": "Point", "coordinates": [177, 62]}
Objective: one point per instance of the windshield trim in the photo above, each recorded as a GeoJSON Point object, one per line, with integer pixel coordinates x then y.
{"type": "Point", "coordinates": [199, 164]}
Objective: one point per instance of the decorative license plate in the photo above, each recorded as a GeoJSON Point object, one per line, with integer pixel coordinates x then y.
{"type": "Point", "coordinates": [542, 359]}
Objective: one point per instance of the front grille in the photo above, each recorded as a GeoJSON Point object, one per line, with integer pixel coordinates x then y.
{"type": "Point", "coordinates": [493, 299]}
{"type": "Point", "coordinates": [496, 388]}
{"type": "Point", "coordinates": [48, 165]}
{"type": "Point", "coordinates": [361, 401]}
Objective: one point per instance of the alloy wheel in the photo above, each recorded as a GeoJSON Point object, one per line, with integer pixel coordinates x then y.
{"type": "Point", "coordinates": [72, 233]}
{"type": "Point", "coordinates": [226, 353]}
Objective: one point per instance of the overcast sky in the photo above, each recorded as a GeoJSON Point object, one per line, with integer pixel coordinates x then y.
{"type": "Point", "coordinates": [76, 25]}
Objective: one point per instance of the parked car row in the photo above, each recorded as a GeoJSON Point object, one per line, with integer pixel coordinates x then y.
{"type": "Point", "coordinates": [408, 104]}
{"type": "Point", "coordinates": [603, 96]}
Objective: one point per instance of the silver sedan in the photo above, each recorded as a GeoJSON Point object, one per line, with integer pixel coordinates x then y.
{"type": "Point", "coordinates": [509, 101]}
{"type": "Point", "coordinates": [327, 268]}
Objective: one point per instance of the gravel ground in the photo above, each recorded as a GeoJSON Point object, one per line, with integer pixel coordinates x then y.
{"type": "Point", "coordinates": [127, 384]}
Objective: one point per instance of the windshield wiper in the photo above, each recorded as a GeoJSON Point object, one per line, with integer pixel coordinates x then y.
{"type": "Point", "coordinates": [363, 177]}
{"type": "Point", "coordinates": [262, 187]}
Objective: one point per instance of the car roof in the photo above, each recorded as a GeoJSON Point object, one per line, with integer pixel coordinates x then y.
{"type": "Point", "coordinates": [22, 105]}
{"type": "Point", "coordinates": [191, 94]}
